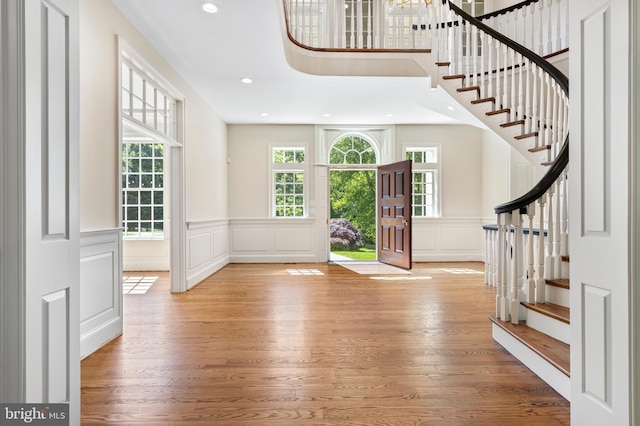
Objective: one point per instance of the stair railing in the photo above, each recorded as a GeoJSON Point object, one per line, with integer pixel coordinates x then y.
{"type": "Point", "coordinates": [533, 93]}
{"type": "Point", "coordinates": [541, 26]}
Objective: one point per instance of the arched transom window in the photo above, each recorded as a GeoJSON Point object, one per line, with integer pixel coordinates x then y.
{"type": "Point", "coordinates": [352, 149]}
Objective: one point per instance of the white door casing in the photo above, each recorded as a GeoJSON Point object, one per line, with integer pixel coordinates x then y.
{"type": "Point", "coordinates": [40, 203]}
{"type": "Point", "coordinates": [601, 362]}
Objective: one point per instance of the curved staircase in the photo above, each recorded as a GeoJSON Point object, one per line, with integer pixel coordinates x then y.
{"type": "Point", "coordinates": [495, 68]}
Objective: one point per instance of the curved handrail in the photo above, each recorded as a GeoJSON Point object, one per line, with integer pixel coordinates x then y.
{"type": "Point", "coordinates": [506, 10]}
{"type": "Point", "coordinates": [562, 159]}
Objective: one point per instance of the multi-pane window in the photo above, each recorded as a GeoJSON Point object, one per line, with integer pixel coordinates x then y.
{"type": "Point", "coordinates": [424, 181]}
{"type": "Point", "coordinates": [288, 165]}
{"type": "Point", "coordinates": [148, 123]}
{"type": "Point", "coordinates": [143, 190]}
{"type": "Point", "coordinates": [144, 101]}
{"type": "Point", "coordinates": [352, 149]}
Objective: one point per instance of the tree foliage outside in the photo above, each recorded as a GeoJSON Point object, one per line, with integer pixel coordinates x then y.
{"type": "Point", "coordinates": [353, 197]}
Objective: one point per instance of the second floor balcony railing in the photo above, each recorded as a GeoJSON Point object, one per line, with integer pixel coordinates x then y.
{"type": "Point", "coordinates": [539, 25]}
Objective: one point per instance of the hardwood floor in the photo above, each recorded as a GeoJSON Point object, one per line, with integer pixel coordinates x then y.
{"type": "Point", "coordinates": [256, 345]}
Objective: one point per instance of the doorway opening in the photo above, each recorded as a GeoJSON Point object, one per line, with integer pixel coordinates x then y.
{"type": "Point", "coordinates": [352, 222]}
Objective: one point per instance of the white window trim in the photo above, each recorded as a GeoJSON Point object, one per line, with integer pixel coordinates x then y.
{"type": "Point", "coordinates": [288, 167]}
{"type": "Point", "coordinates": [437, 167]}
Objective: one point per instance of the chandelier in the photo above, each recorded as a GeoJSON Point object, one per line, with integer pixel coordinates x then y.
{"type": "Point", "coordinates": [402, 3]}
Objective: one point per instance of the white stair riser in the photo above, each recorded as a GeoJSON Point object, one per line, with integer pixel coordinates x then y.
{"type": "Point", "coordinates": [540, 366]}
{"type": "Point", "coordinates": [558, 295]}
{"type": "Point", "coordinates": [549, 326]}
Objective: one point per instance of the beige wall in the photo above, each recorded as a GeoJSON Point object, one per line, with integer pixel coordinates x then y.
{"type": "Point", "coordinates": [205, 133]}
{"type": "Point", "coordinates": [249, 183]}
{"type": "Point", "coordinates": [461, 168]}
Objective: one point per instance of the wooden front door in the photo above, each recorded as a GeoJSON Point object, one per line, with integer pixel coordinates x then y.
{"type": "Point", "coordinates": [394, 214]}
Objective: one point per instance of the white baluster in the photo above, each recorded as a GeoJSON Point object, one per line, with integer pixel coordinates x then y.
{"type": "Point", "coordinates": [557, 255]}
{"type": "Point", "coordinates": [474, 53]}
{"type": "Point", "coordinates": [521, 80]}
{"type": "Point", "coordinates": [459, 52]}
{"type": "Point", "coordinates": [548, 260]}
{"type": "Point", "coordinates": [528, 98]}
{"type": "Point", "coordinates": [501, 296]}
{"type": "Point", "coordinates": [549, 110]}
{"type": "Point", "coordinates": [516, 264]}
{"type": "Point", "coordinates": [540, 113]}
{"type": "Point", "coordinates": [541, 29]}
{"type": "Point", "coordinates": [490, 50]}
{"type": "Point", "coordinates": [559, 45]}
{"type": "Point", "coordinates": [540, 276]}
{"type": "Point", "coordinates": [531, 281]}
{"type": "Point", "coordinates": [549, 3]}
{"type": "Point", "coordinates": [555, 120]}
{"type": "Point", "coordinates": [564, 218]}
{"type": "Point", "coordinates": [498, 86]}
{"type": "Point", "coordinates": [505, 81]}
{"type": "Point", "coordinates": [513, 74]}
{"type": "Point", "coordinates": [484, 91]}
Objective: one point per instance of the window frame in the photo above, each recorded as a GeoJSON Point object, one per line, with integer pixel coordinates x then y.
{"type": "Point", "coordinates": [289, 167]}
{"type": "Point", "coordinates": [426, 167]}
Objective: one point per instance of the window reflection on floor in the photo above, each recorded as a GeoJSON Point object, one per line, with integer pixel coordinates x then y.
{"type": "Point", "coordinates": [138, 284]}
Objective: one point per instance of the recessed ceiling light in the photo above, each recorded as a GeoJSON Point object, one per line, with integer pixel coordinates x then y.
{"type": "Point", "coordinates": [326, 114]}
{"type": "Point", "coordinates": [389, 115]}
{"type": "Point", "coordinates": [209, 7]}
{"type": "Point", "coordinates": [246, 80]}
{"type": "Point", "coordinates": [264, 114]}
{"type": "Point", "coordinates": [450, 108]}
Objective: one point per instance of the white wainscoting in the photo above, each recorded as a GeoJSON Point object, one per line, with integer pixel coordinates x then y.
{"type": "Point", "coordinates": [207, 249]}
{"type": "Point", "coordinates": [274, 241]}
{"type": "Point", "coordinates": [100, 288]}
{"type": "Point", "coordinates": [448, 239]}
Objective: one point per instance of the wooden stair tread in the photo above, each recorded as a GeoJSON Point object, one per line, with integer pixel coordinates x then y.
{"type": "Point", "coordinates": [483, 100]}
{"type": "Point", "coordinates": [560, 313]}
{"type": "Point", "coordinates": [526, 135]}
{"type": "Point", "coordinates": [512, 123]}
{"type": "Point", "coordinates": [547, 163]}
{"type": "Point", "coordinates": [554, 351]}
{"type": "Point", "coordinates": [453, 77]}
{"type": "Point", "coordinates": [540, 148]}
{"type": "Point", "coordinates": [443, 64]}
{"type": "Point", "coordinates": [566, 259]}
{"type": "Point", "coordinates": [499, 111]}
{"type": "Point", "coordinates": [559, 282]}
{"type": "Point", "coordinates": [468, 89]}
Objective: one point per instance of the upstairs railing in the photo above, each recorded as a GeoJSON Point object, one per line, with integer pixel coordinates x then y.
{"type": "Point", "coordinates": [519, 85]}
{"type": "Point", "coordinates": [541, 26]}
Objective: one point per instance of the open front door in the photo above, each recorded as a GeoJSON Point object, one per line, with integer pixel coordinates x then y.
{"type": "Point", "coordinates": [394, 214]}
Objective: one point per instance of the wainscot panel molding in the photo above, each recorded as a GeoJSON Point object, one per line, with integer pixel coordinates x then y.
{"type": "Point", "coordinates": [448, 239]}
{"type": "Point", "coordinates": [100, 288]}
{"type": "Point", "coordinates": [207, 249]}
{"type": "Point", "coordinates": [274, 241]}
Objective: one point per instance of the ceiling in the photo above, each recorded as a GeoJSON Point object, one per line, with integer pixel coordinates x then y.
{"type": "Point", "coordinates": [214, 52]}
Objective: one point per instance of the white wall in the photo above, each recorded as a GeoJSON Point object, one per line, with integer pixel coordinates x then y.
{"type": "Point", "coordinates": [205, 137]}
{"type": "Point", "coordinates": [205, 141]}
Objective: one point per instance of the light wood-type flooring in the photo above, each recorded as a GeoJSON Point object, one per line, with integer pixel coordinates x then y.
{"type": "Point", "coordinates": [315, 344]}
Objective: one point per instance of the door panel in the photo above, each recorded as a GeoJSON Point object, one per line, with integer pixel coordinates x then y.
{"type": "Point", "coordinates": [51, 216]}
{"type": "Point", "coordinates": [394, 214]}
{"type": "Point", "coordinates": [601, 360]}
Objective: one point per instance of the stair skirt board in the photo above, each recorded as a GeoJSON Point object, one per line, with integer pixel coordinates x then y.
{"type": "Point", "coordinates": [540, 367]}
{"type": "Point", "coordinates": [547, 325]}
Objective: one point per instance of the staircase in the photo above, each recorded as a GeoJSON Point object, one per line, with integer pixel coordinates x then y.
{"type": "Point", "coordinates": [484, 64]}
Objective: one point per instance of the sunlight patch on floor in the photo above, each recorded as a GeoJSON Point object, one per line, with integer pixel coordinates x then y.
{"type": "Point", "coordinates": [400, 278]}
{"type": "Point", "coordinates": [461, 271]}
{"type": "Point", "coordinates": [304, 272]}
{"type": "Point", "coordinates": [137, 284]}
